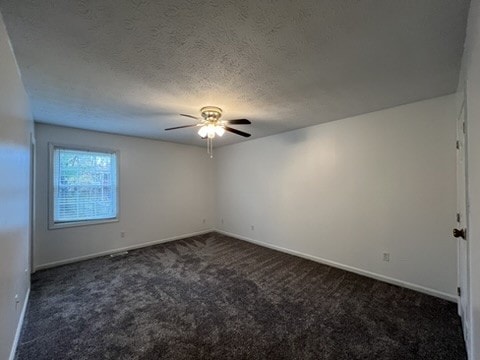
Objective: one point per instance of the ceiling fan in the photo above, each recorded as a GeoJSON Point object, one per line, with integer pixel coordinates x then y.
{"type": "Point", "coordinates": [211, 125]}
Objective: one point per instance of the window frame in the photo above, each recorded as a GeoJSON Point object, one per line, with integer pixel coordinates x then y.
{"type": "Point", "coordinates": [51, 203]}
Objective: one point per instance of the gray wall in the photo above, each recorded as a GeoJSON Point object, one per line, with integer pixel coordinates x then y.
{"type": "Point", "coordinates": [165, 191]}
{"type": "Point", "coordinates": [345, 192]}
{"type": "Point", "coordinates": [15, 129]}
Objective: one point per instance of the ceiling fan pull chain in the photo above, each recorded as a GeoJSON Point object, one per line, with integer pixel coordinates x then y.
{"type": "Point", "coordinates": [210, 147]}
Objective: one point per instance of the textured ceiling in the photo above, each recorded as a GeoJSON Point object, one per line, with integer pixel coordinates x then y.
{"type": "Point", "coordinates": [129, 66]}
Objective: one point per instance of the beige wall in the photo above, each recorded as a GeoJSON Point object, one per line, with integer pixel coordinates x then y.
{"type": "Point", "coordinates": [347, 191]}
{"type": "Point", "coordinates": [165, 191]}
{"type": "Point", "coordinates": [15, 129]}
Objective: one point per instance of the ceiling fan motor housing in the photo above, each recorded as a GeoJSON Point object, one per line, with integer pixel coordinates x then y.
{"type": "Point", "coordinates": [211, 113]}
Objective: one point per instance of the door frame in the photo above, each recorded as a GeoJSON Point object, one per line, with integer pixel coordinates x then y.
{"type": "Point", "coordinates": [32, 202]}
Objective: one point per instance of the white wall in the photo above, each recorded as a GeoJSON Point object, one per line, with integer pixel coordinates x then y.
{"type": "Point", "coordinates": [346, 191]}
{"type": "Point", "coordinates": [471, 78]}
{"type": "Point", "coordinates": [166, 190]}
{"type": "Point", "coordinates": [15, 129]}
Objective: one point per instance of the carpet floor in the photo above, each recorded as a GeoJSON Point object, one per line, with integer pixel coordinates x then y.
{"type": "Point", "coordinates": [215, 297]}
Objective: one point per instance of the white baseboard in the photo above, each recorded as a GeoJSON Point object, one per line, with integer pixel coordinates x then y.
{"type": "Point", "coordinates": [19, 327]}
{"type": "Point", "coordinates": [335, 264]}
{"type": "Point", "coordinates": [387, 279]}
{"type": "Point", "coordinates": [112, 251]}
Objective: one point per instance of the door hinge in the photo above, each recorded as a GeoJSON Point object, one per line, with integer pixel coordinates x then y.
{"type": "Point", "coordinates": [459, 291]}
{"type": "Point", "coordinates": [457, 144]}
{"type": "Point", "coordinates": [458, 217]}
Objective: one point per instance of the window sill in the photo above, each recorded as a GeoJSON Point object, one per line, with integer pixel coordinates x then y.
{"type": "Point", "coordinates": [63, 225]}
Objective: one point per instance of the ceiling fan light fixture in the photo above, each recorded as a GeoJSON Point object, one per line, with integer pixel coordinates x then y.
{"type": "Point", "coordinates": [211, 131]}
{"type": "Point", "coordinates": [203, 132]}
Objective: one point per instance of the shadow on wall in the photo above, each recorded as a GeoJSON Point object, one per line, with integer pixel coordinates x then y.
{"type": "Point", "coordinates": [293, 137]}
{"type": "Point", "coordinates": [12, 189]}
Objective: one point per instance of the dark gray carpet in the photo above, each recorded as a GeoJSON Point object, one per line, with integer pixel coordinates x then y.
{"type": "Point", "coordinates": [214, 297]}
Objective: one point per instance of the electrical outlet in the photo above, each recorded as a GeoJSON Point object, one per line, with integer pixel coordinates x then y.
{"type": "Point", "coordinates": [386, 257]}
{"type": "Point", "coordinates": [204, 221]}
{"type": "Point", "coordinates": [122, 234]}
{"type": "Point", "coordinates": [252, 227]}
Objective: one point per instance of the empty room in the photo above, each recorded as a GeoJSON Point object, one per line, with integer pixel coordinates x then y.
{"type": "Point", "coordinates": [187, 179]}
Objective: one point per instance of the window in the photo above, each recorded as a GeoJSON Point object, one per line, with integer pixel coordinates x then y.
{"type": "Point", "coordinates": [83, 186]}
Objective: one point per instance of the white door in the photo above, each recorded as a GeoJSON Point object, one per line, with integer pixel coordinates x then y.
{"type": "Point", "coordinates": [461, 232]}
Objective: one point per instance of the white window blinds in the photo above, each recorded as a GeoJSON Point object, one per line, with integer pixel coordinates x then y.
{"type": "Point", "coordinates": [84, 185]}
